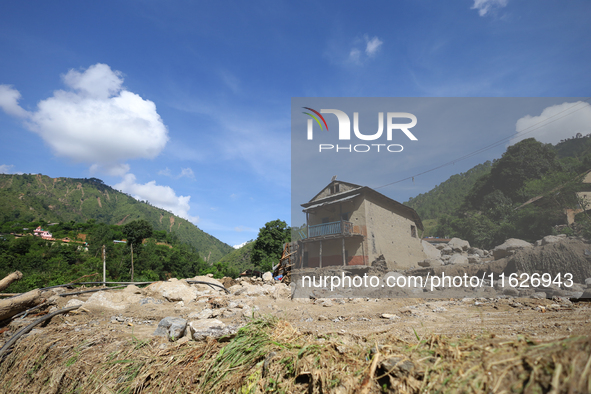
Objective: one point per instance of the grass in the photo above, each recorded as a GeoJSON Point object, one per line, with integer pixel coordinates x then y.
{"type": "Point", "coordinates": [269, 355]}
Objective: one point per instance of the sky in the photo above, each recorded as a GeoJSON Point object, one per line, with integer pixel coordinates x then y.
{"type": "Point", "coordinates": [188, 104]}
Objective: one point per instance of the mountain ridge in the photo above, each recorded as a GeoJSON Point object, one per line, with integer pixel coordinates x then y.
{"type": "Point", "coordinates": [29, 197]}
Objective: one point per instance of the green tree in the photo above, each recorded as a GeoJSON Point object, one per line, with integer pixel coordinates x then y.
{"type": "Point", "coordinates": [136, 232]}
{"type": "Point", "coordinates": [268, 246]}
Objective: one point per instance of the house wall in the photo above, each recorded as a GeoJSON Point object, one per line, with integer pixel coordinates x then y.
{"type": "Point", "coordinates": [389, 233]}
{"type": "Point", "coordinates": [332, 252]}
{"type": "Point", "coordinates": [326, 191]}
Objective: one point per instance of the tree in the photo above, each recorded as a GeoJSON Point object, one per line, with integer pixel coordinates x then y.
{"type": "Point", "coordinates": [268, 246]}
{"type": "Point", "coordinates": [135, 232]}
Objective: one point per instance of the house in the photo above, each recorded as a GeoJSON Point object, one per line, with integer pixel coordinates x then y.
{"type": "Point", "coordinates": [348, 224]}
{"type": "Point", "coordinates": [42, 233]}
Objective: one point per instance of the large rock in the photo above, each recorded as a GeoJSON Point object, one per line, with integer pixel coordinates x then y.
{"type": "Point", "coordinates": [171, 327]}
{"type": "Point", "coordinates": [458, 244]}
{"type": "Point", "coordinates": [117, 300]}
{"type": "Point", "coordinates": [430, 263]}
{"type": "Point", "coordinates": [549, 239]}
{"type": "Point", "coordinates": [509, 247]}
{"type": "Point", "coordinates": [175, 290]}
{"type": "Point", "coordinates": [430, 251]}
{"type": "Point", "coordinates": [458, 259]}
{"type": "Point", "coordinates": [268, 277]}
{"type": "Point", "coordinates": [202, 329]}
{"type": "Point", "coordinates": [281, 290]}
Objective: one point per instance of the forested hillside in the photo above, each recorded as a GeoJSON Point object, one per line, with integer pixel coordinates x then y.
{"type": "Point", "coordinates": [28, 198]}
{"type": "Point", "coordinates": [524, 195]}
{"type": "Point", "coordinates": [446, 197]}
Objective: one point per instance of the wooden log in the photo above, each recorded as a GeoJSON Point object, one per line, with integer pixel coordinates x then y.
{"type": "Point", "coordinates": [4, 283]}
{"type": "Point", "coordinates": [12, 306]}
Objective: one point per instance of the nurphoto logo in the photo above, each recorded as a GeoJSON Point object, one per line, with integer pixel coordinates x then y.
{"type": "Point", "coordinates": [345, 130]}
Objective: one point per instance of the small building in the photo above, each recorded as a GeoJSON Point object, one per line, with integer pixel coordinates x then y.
{"type": "Point", "coordinates": [42, 233]}
{"type": "Point", "coordinates": [348, 224]}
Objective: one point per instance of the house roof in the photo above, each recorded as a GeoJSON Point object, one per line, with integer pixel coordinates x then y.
{"type": "Point", "coordinates": [354, 192]}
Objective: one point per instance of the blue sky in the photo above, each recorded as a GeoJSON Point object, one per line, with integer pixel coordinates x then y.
{"type": "Point", "coordinates": [187, 104]}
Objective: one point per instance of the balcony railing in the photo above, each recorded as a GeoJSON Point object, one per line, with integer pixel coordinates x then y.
{"type": "Point", "coordinates": [334, 228]}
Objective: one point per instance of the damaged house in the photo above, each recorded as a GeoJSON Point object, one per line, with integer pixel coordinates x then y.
{"type": "Point", "coordinates": [348, 224]}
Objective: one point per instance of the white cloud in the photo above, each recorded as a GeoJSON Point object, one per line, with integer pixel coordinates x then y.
{"type": "Point", "coordinates": [6, 168]}
{"type": "Point", "coordinates": [96, 122]}
{"type": "Point", "coordinates": [354, 55]}
{"type": "Point", "coordinates": [555, 123]}
{"type": "Point", "coordinates": [359, 56]}
{"type": "Point", "coordinates": [9, 101]}
{"type": "Point", "coordinates": [165, 172]}
{"type": "Point", "coordinates": [241, 245]}
{"type": "Point", "coordinates": [187, 172]}
{"type": "Point", "coordinates": [484, 6]}
{"type": "Point", "coordinates": [160, 196]}
{"type": "Point", "coordinates": [372, 46]}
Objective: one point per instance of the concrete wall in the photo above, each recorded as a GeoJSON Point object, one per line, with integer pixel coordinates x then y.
{"type": "Point", "coordinates": [390, 234]}
{"type": "Point", "coordinates": [326, 192]}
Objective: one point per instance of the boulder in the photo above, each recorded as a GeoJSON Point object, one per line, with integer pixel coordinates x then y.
{"type": "Point", "coordinates": [202, 329]}
{"type": "Point", "coordinates": [430, 251]}
{"type": "Point", "coordinates": [458, 244]}
{"type": "Point", "coordinates": [281, 290]}
{"type": "Point", "coordinates": [509, 247]}
{"type": "Point", "coordinates": [74, 302]}
{"type": "Point", "coordinates": [430, 263]}
{"type": "Point", "coordinates": [267, 277]}
{"type": "Point", "coordinates": [458, 259]}
{"type": "Point", "coordinates": [474, 259]}
{"type": "Point", "coordinates": [171, 327]}
{"type": "Point", "coordinates": [175, 290]}
{"type": "Point", "coordinates": [586, 294]}
{"type": "Point", "coordinates": [133, 289]}
{"type": "Point", "coordinates": [549, 239]}
{"type": "Point", "coordinates": [117, 300]}
{"type": "Point", "coordinates": [447, 250]}
{"type": "Point", "coordinates": [481, 253]}
{"type": "Point", "coordinates": [588, 283]}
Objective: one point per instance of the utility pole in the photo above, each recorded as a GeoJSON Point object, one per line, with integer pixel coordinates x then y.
{"type": "Point", "coordinates": [104, 266]}
{"type": "Point", "coordinates": [132, 261]}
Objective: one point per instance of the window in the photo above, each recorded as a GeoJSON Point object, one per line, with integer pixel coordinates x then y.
{"type": "Point", "coordinates": [413, 231]}
{"type": "Point", "coordinates": [334, 188]}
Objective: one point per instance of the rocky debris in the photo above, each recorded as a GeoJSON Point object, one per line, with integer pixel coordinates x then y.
{"type": "Point", "coordinates": [202, 329]}
{"type": "Point", "coordinates": [133, 289]}
{"type": "Point", "coordinates": [117, 300]}
{"type": "Point", "coordinates": [458, 259]}
{"type": "Point", "coordinates": [390, 316]}
{"type": "Point", "coordinates": [228, 282]}
{"type": "Point", "coordinates": [171, 327]}
{"type": "Point", "coordinates": [150, 300]}
{"type": "Point", "coordinates": [268, 277]}
{"type": "Point", "coordinates": [549, 239]}
{"type": "Point", "coordinates": [509, 247]}
{"type": "Point", "coordinates": [175, 290]}
{"type": "Point", "coordinates": [458, 245]}
{"type": "Point", "coordinates": [397, 366]}
{"type": "Point", "coordinates": [586, 294]}
{"type": "Point", "coordinates": [430, 263]}
{"type": "Point", "coordinates": [430, 251]}
{"type": "Point", "coordinates": [207, 278]}
{"type": "Point", "coordinates": [74, 302]}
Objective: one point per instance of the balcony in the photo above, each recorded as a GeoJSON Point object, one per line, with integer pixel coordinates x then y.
{"type": "Point", "coordinates": [331, 230]}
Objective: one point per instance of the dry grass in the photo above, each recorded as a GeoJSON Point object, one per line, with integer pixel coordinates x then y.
{"type": "Point", "coordinates": [269, 355]}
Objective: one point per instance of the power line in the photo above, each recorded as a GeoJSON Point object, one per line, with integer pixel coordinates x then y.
{"type": "Point", "coordinates": [523, 132]}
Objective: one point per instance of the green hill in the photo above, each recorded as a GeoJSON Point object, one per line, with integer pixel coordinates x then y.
{"type": "Point", "coordinates": [446, 197]}
{"type": "Point", "coordinates": [239, 258]}
{"type": "Point", "coordinates": [31, 198]}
